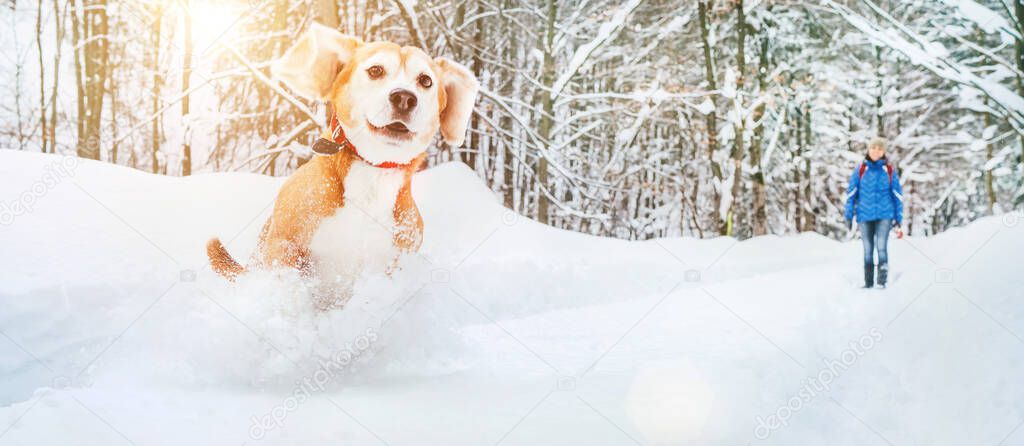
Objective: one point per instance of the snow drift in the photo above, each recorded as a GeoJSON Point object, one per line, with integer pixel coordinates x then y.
{"type": "Point", "coordinates": [500, 331]}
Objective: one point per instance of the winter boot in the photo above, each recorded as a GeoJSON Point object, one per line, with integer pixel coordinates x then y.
{"type": "Point", "coordinates": [883, 274]}
{"type": "Point", "coordinates": [869, 275]}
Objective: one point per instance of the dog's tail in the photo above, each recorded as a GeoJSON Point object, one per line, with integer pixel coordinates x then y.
{"type": "Point", "coordinates": [221, 260]}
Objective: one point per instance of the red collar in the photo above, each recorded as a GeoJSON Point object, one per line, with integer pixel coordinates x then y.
{"type": "Point", "coordinates": [341, 141]}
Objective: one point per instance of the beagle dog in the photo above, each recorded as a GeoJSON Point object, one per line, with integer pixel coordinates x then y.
{"type": "Point", "coordinates": [350, 209]}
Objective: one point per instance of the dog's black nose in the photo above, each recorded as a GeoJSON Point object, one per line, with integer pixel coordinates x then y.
{"type": "Point", "coordinates": [403, 101]}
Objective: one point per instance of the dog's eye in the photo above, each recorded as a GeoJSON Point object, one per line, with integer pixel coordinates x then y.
{"type": "Point", "coordinates": [375, 72]}
{"type": "Point", "coordinates": [425, 81]}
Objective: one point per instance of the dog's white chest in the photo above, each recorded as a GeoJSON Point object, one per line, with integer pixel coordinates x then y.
{"type": "Point", "coordinates": [359, 236]}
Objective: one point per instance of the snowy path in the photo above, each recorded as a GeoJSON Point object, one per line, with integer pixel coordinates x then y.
{"type": "Point", "coordinates": [114, 332]}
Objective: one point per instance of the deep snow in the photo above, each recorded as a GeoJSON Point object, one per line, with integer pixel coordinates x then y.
{"type": "Point", "coordinates": [503, 331]}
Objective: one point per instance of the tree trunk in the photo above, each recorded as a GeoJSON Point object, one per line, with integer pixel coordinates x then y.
{"type": "Point", "coordinates": [477, 66]}
{"type": "Point", "coordinates": [798, 180]}
{"type": "Point", "coordinates": [738, 142]}
{"type": "Point", "coordinates": [408, 14]}
{"type": "Point", "coordinates": [878, 99]}
{"type": "Point", "coordinates": [113, 123]}
{"type": "Point", "coordinates": [23, 137]}
{"type": "Point", "coordinates": [43, 131]}
{"type": "Point", "coordinates": [505, 122]}
{"type": "Point", "coordinates": [186, 75]}
{"type": "Point", "coordinates": [99, 58]}
{"type": "Point", "coordinates": [154, 64]}
{"type": "Point", "coordinates": [703, 8]}
{"type": "Point", "coordinates": [58, 20]}
{"type": "Point", "coordinates": [990, 190]}
{"type": "Point", "coordinates": [810, 223]}
{"type": "Point", "coordinates": [1019, 52]}
{"type": "Point", "coordinates": [759, 218]}
{"type": "Point", "coordinates": [547, 107]}
{"type": "Point", "coordinates": [90, 28]}
{"type": "Point", "coordinates": [327, 13]}
{"type": "Point", "coordinates": [76, 39]}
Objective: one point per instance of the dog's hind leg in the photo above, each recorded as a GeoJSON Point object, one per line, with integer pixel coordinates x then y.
{"type": "Point", "coordinates": [221, 260]}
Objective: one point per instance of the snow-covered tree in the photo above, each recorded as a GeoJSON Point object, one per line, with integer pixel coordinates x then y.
{"type": "Point", "coordinates": [633, 119]}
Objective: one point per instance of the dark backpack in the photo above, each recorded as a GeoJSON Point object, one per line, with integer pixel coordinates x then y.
{"type": "Point", "coordinates": [864, 167]}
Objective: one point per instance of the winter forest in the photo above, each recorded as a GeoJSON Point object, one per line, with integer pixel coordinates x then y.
{"type": "Point", "coordinates": [632, 119]}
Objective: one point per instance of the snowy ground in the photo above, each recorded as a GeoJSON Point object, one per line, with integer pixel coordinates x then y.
{"type": "Point", "coordinates": [114, 331]}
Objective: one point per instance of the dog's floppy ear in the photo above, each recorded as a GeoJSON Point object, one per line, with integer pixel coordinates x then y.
{"type": "Point", "coordinates": [310, 66]}
{"type": "Point", "coordinates": [460, 89]}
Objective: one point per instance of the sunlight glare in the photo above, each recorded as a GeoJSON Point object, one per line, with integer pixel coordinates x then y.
{"type": "Point", "coordinates": [214, 21]}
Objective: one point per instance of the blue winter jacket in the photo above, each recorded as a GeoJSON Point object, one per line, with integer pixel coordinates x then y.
{"type": "Point", "coordinates": [873, 195]}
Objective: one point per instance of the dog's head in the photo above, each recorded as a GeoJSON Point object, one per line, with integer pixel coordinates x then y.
{"type": "Point", "coordinates": [390, 100]}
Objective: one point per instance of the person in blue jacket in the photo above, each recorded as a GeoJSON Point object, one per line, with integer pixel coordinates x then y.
{"type": "Point", "coordinates": [876, 199]}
